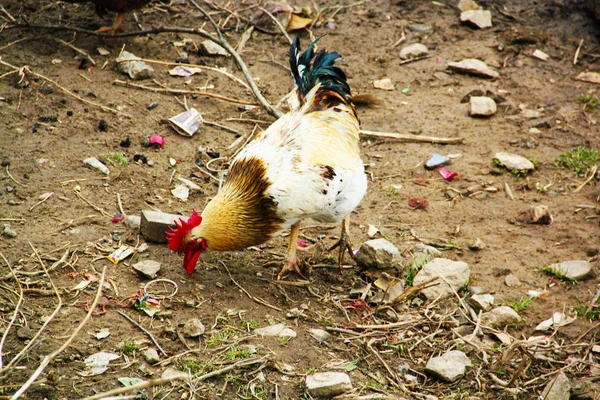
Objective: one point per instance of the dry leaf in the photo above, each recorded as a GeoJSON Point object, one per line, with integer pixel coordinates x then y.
{"type": "Point", "coordinates": [298, 22]}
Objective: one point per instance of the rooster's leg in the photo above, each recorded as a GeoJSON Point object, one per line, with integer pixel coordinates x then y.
{"type": "Point", "coordinates": [116, 27]}
{"type": "Point", "coordinates": [344, 242]}
{"type": "Point", "coordinates": [291, 261]}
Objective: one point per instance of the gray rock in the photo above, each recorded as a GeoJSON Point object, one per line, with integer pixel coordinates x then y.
{"type": "Point", "coordinates": [328, 384]}
{"type": "Point", "coordinates": [25, 333]}
{"type": "Point", "coordinates": [480, 18]}
{"type": "Point", "coordinates": [472, 66]}
{"type": "Point", "coordinates": [378, 253]}
{"type": "Point", "coordinates": [427, 250]}
{"type": "Point", "coordinates": [413, 50]}
{"type": "Point", "coordinates": [193, 328]}
{"type": "Point", "coordinates": [279, 330]}
{"type": "Point", "coordinates": [9, 231]}
{"type": "Point", "coordinates": [151, 356]}
{"type": "Point", "coordinates": [482, 106]}
{"type": "Point", "coordinates": [448, 367]}
{"type": "Point", "coordinates": [530, 114]}
{"type": "Point", "coordinates": [482, 302]}
{"type": "Point", "coordinates": [574, 270]}
{"type": "Point", "coordinates": [136, 69]}
{"type": "Point", "coordinates": [455, 275]}
{"type": "Point", "coordinates": [558, 388]}
{"type": "Point", "coordinates": [148, 268]}
{"type": "Point", "coordinates": [499, 317]}
{"type": "Point", "coordinates": [511, 280]}
{"type": "Point", "coordinates": [514, 161]}
{"type": "Point", "coordinates": [133, 221]}
{"type": "Point", "coordinates": [465, 5]}
{"type": "Point", "coordinates": [319, 334]}
{"type": "Point", "coordinates": [477, 245]}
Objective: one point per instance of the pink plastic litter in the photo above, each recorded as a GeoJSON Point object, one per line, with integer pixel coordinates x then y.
{"type": "Point", "coordinates": [447, 175]}
{"type": "Point", "coordinates": [157, 140]}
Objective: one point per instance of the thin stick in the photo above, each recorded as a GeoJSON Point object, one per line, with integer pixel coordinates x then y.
{"type": "Point", "coordinates": [592, 175]}
{"type": "Point", "coordinates": [41, 201]}
{"type": "Point", "coordinates": [127, 317]}
{"type": "Point", "coordinates": [7, 14]}
{"type": "Point", "coordinates": [101, 211]}
{"type": "Point", "coordinates": [385, 326]}
{"type": "Point", "coordinates": [17, 307]}
{"type": "Point", "coordinates": [51, 356]}
{"type": "Point", "coordinates": [256, 299]}
{"type": "Point", "coordinates": [183, 91]}
{"type": "Point", "coordinates": [220, 71]}
{"type": "Point", "coordinates": [412, 60]}
{"type": "Point", "coordinates": [281, 28]}
{"type": "Point", "coordinates": [508, 191]}
{"type": "Point", "coordinates": [576, 57]}
{"type": "Point", "coordinates": [139, 386]}
{"type": "Point", "coordinates": [68, 92]}
{"type": "Point", "coordinates": [11, 177]}
{"type": "Point", "coordinates": [242, 363]}
{"type": "Point", "coordinates": [77, 50]}
{"type": "Point", "coordinates": [120, 204]}
{"type": "Point", "coordinates": [240, 62]}
{"type": "Point", "coordinates": [411, 138]}
{"type": "Point", "coordinates": [13, 43]}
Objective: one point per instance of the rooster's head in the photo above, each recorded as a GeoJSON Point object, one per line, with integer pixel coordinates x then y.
{"type": "Point", "coordinates": [182, 239]}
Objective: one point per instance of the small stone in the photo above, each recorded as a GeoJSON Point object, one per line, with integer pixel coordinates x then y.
{"type": "Point", "coordinates": [328, 384]}
{"type": "Point", "coordinates": [193, 328]}
{"type": "Point", "coordinates": [574, 270]}
{"type": "Point", "coordinates": [535, 215]}
{"type": "Point", "coordinates": [413, 50]}
{"type": "Point", "coordinates": [279, 330]}
{"type": "Point", "coordinates": [319, 334]}
{"type": "Point", "coordinates": [136, 69]}
{"type": "Point", "coordinates": [499, 317]}
{"type": "Point", "coordinates": [437, 160]}
{"type": "Point", "coordinates": [482, 302]}
{"type": "Point", "coordinates": [25, 333]}
{"type": "Point", "coordinates": [148, 268]}
{"type": "Point", "coordinates": [530, 114]}
{"type": "Point", "coordinates": [534, 131]}
{"type": "Point", "coordinates": [372, 231]}
{"type": "Point", "coordinates": [466, 5]}
{"type": "Point", "coordinates": [426, 250]}
{"type": "Point", "coordinates": [558, 388]}
{"type": "Point", "coordinates": [477, 245]}
{"type": "Point", "coordinates": [172, 372]}
{"type": "Point", "coordinates": [480, 18]}
{"type": "Point", "coordinates": [593, 77]}
{"type": "Point", "coordinates": [378, 253]}
{"type": "Point", "coordinates": [213, 49]}
{"type": "Point", "coordinates": [448, 367]}
{"type": "Point", "coordinates": [511, 280]}
{"type": "Point", "coordinates": [423, 29]}
{"type": "Point", "coordinates": [455, 275]}
{"type": "Point", "coordinates": [540, 55]}
{"type": "Point", "coordinates": [151, 356]}
{"type": "Point", "coordinates": [482, 106]}
{"type": "Point", "coordinates": [133, 221]}
{"type": "Point", "coordinates": [557, 320]}
{"type": "Point", "coordinates": [9, 232]}
{"type": "Point", "coordinates": [514, 161]}
{"type": "Point", "coordinates": [384, 84]}
{"type": "Point", "coordinates": [472, 66]}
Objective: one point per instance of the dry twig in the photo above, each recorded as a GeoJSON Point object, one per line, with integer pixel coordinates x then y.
{"type": "Point", "coordinates": [148, 333]}
{"type": "Point", "coordinates": [17, 307]}
{"type": "Point", "coordinates": [410, 138]}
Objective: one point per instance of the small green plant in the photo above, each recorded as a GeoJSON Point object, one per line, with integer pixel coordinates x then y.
{"type": "Point", "coordinates": [130, 347]}
{"type": "Point", "coordinates": [391, 191]}
{"type": "Point", "coordinates": [118, 158]}
{"type": "Point", "coordinates": [589, 311]}
{"type": "Point", "coordinates": [284, 340]}
{"type": "Point", "coordinates": [191, 365]}
{"type": "Point", "coordinates": [411, 270]}
{"type": "Point", "coordinates": [554, 271]}
{"type": "Point", "coordinates": [517, 173]}
{"type": "Point", "coordinates": [235, 353]}
{"type": "Point", "coordinates": [522, 304]}
{"type": "Point", "coordinates": [589, 101]}
{"type": "Point", "coordinates": [251, 325]}
{"type": "Point", "coordinates": [311, 370]}
{"type": "Point", "coordinates": [452, 244]}
{"type": "Point", "coordinates": [578, 160]}
{"type": "Point", "coordinates": [220, 336]}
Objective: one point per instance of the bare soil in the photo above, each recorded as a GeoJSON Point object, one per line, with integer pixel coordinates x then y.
{"type": "Point", "coordinates": [46, 133]}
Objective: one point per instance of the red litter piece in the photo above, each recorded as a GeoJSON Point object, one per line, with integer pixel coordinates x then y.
{"type": "Point", "coordinates": [447, 175]}
{"type": "Point", "coordinates": [301, 243]}
{"type": "Point", "coordinates": [118, 218]}
{"type": "Point", "coordinates": [156, 140]}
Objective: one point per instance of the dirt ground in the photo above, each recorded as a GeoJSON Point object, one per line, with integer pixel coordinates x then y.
{"type": "Point", "coordinates": [46, 133]}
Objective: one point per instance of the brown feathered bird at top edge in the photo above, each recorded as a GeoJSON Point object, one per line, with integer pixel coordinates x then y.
{"type": "Point", "coordinates": [121, 7]}
{"type": "Point", "coordinates": [305, 165]}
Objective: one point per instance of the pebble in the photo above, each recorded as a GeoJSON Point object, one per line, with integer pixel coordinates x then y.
{"type": "Point", "coordinates": [480, 18]}
{"type": "Point", "coordinates": [530, 114]}
{"type": "Point", "coordinates": [413, 50]}
{"type": "Point", "coordinates": [448, 367]}
{"type": "Point", "coordinates": [193, 328]}
{"type": "Point", "coordinates": [319, 334]}
{"type": "Point", "coordinates": [137, 70]}
{"type": "Point", "coordinates": [372, 231]}
{"type": "Point", "coordinates": [557, 320]}
{"type": "Point", "coordinates": [558, 388]}
{"type": "Point", "coordinates": [383, 84]}
{"type": "Point", "coordinates": [378, 253]}
{"type": "Point", "coordinates": [328, 384]}
{"type": "Point", "coordinates": [25, 333]}
{"type": "Point", "coordinates": [133, 221]}
{"type": "Point", "coordinates": [534, 131]}
{"type": "Point", "coordinates": [151, 356]}
{"type": "Point", "coordinates": [499, 317]}
{"type": "Point", "coordinates": [511, 280]}
{"type": "Point", "coordinates": [466, 5]}
{"type": "Point", "coordinates": [574, 270]}
{"type": "Point", "coordinates": [148, 268]}
{"type": "Point", "coordinates": [455, 275]}
{"type": "Point", "coordinates": [477, 245]}
{"type": "Point", "coordinates": [473, 67]}
{"type": "Point", "coordinates": [482, 106]}
{"type": "Point", "coordinates": [279, 330]}
{"type": "Point", "coordinates": [535, 215]}
{"type": "Point", "coordinates": [514, 161]}
{"type": "Point", "coordinates": [9, 232]}
{"type": "Point", "coordinates": [437, 160]}
{"type": "Point", "coordinates": [482, 302]}
{"type": "Point", "coordinates": [421, 28]}
{"type": "Point", "coordinates": [540, 55]}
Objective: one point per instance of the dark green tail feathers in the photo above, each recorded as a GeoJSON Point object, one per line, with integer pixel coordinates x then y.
{"type": "Point", "coordinates": [321, 71]}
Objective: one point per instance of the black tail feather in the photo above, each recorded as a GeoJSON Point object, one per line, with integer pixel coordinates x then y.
{"type": "Point", "coordinates": [321, 71]}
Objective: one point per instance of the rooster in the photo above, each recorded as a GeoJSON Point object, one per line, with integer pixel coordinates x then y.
{"type": "Point", "coordinates": [305, 165]}
{"type": "Point", "coordinates": [121, 7]}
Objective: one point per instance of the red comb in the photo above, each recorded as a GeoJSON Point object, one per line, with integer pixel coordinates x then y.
{"type": "Point", "coordinates": [175, 236]}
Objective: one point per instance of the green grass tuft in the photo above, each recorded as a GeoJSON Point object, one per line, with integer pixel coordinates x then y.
{"type": "Point", "coordinates": [578, 160]}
